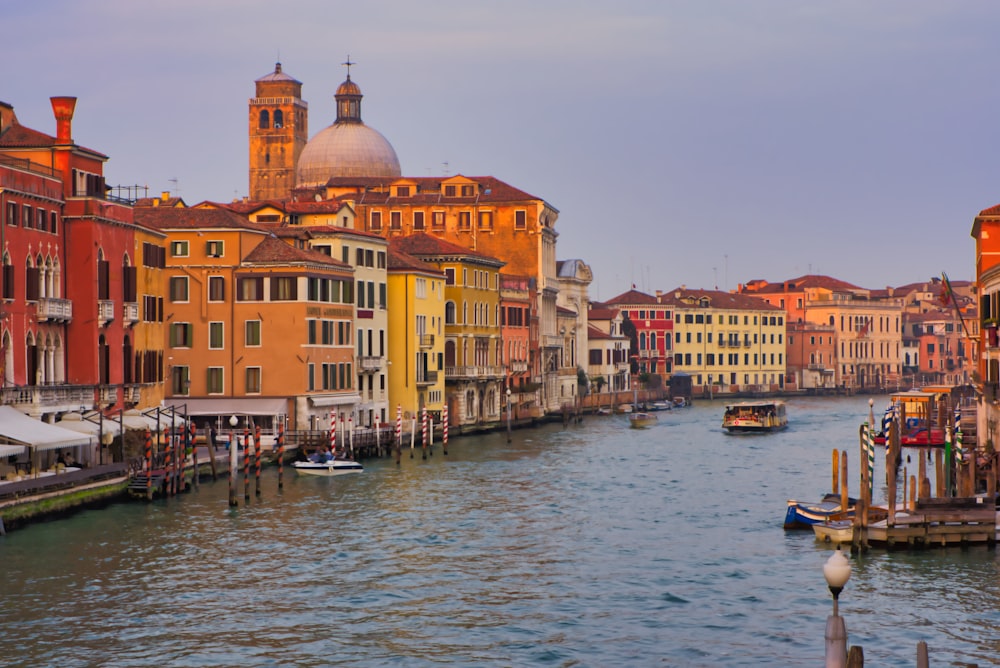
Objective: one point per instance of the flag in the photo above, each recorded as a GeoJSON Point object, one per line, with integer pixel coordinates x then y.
{"type": "Point", "coordinates": [947, 294]}
{"type": "Point", "coordinates": [864, 329]}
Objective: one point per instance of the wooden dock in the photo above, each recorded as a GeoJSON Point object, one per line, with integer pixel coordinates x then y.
{"type": "Point", "coordinates": [935, 523]}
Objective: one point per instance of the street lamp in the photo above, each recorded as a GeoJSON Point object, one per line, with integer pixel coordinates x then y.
{"type": "Point", "coordinates": [837, 571]}
{"type": "Point", "coordinates": [508, 413]}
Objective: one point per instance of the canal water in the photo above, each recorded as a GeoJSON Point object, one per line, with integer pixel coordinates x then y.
{"type": "Point", "coordinates": [586, 545]}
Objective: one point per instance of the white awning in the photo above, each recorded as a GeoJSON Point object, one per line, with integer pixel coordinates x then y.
{"type": "Point", "coordinates": [16, 428]}
{"type": "Point", "coordinates": [8, 450]}
{"type": "Point", "coordinates": [335, 399]}
{"type": "Point", "coordinates": [76, 422]}
{"type": "Point", "coordinates": [231, 406]}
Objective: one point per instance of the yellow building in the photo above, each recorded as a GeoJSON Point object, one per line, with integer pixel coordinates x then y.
{"type": "Point", "coordinates": [258, 329]}
{"type": "Point", "coordinates": [416, 314]}
{"type": "Point", "coordinates": [473, 359]}
{"type": "Point", "coordinates": [728, 342]}
{"type": "Point", "coordinates": [146, 342]}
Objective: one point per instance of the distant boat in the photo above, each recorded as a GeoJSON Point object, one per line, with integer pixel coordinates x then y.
{"type": "Point", "coordinates": [660, 406]}
{"type": "Point", "coordinates": [328, 467]}
{"type": "Point", "coordinates": [641, 420]}
{"type": "Point", "coordinates": [755, 416]}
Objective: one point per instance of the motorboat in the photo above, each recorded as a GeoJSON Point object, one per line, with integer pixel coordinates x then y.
{"type": "Point", "coordinates": [755, 416]}
{"type": "Point", "coordinates": [641, 420]}
{"type": "Point", "coordinates": [332, 466]}
{"type": "Point", "coordinates": [802, 515]}
{"type": "Point", "coordinates": [837, 532]}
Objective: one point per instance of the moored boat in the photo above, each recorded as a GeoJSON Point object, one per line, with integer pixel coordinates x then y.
{"type": "Point", "coordinates": [641, 420]}
{"type": "Point", "coordinates": [755, 416]}
{"type": "Point", "coordinates": [801, 515]}
{"type": "Point", "coordinates": [837, 532]}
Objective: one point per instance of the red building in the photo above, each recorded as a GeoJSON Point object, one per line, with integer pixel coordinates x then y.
{"type": "Point", "coordinates": [71, 259]}
{"type": "Point", "coordinates": [652, 317]}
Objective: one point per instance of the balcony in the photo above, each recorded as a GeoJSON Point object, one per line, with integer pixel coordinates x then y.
{"type": "Point", "coordinates": [109, 394]}
{"type": "Point", "coordinates": [723, 343]}
{"type": "Point", "coordinates": [131, 312]}
{"type": "Point", "coordinates": [473, 372]}
{"type": "Point", "coordinates": [426, 340]}
{"type": "Point", "coordinates": [131, 394]}
{"type": "Point", "coordinates": [369, 363]}
{"type": "Point", "coordinates": [552, 341]}
{"type": "Point", "coordinates": [54, 310]}
{"type": "Point", "coordinates": [38, 398]}
{"type": "Point", "coordinates": [519, 367]}
{"type": "Point", "coordinates": [105, 311]}
{"type": "Point", "coordinates": [427, 378]}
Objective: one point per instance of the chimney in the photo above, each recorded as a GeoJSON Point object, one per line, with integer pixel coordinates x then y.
{"type": "Point", "coordinates": [63, 108]}
{"type": "Point", "coordinates": [165, 195]}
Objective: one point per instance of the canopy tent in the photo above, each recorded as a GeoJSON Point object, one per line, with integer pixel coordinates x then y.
{"type": "Point", "coordinates": [16, 428]}
{"type": "Point", "coordinates": [8, 450]}
{"type": "Point", "coordinates": [76, 422]}
{"type": "Point", "coordinates": [135, 420]}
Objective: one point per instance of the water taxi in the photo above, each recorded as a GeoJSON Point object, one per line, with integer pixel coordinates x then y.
{"type": "Point", "coordinates": [641, 420]}
{"type": "Point", "coordinates": [755, 416]}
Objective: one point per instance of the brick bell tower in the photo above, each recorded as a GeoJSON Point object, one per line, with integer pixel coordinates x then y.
{"type": "Point", "coordinates": [278, 131]}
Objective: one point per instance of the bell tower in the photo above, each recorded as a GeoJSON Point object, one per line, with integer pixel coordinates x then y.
{"type": "Point", "coordinates": [278, 131]}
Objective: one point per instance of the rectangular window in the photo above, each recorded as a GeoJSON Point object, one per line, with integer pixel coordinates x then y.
{"type": "Point", "coordinates": [178, 288]}
{"type": "Point", "coordinates": [53, 223]}
{"type": "Point", "coordinates": [252, 335]}
{"type": "Point", "coordinates": [250, 289]}
{"type": "Point", "coordinates": [520, 220]}
{"type": "Point", "coordinates": [179, 249]}
{"type": "Point", "coordinates": [486, 220]}
{"type": "Point", "coordinates": [181, 334]}
{"type": "Point", "coordinates": [284, 288]}
{"type": "Point", "coordinates": [468, 190]}
{"type": "Point", "coordinates": [418, 220]}
{"type": "Point", "coordinates": [449, 191]}
{"type": "Point", "coordinates": [215, 375]}
{"type": "Point", "coordinates": [26, 217]}
{"type": "Point", "coordinates": [437, 220]}
{"type": "Point", "coordinates": [311, 332]}
{"type": "Point", "coordinates": [464, 220]}
{"type": "Point", "coordinates": [40, 220]}
{"type": "Point", "coordinates": [381, 259]}
{"type": "Point", "coordinates": [369, 258]}
{"type": "Point", "coordinates": [382, 298]}
{"type": "Point", "coordinates": [376, 221]}
{"type": "Point", "coordinates": [180, 381]}
{"type": "Point", "coordinates": [311, 376]}
{"type": "Point", "coordinates": [395, 220]}
{"type": "Point", "coordinates": [214, 248]}
{"type": "Point", "coordinates": [253, 380]}
{"type": "Point", "coordinates": [216, 289]}
{"type": "Point", "coordinates": [12, 214]}
{"type": "Point", "coordinates": [215, 335]}
{"type": "Point", "coordinates": [403, 191]}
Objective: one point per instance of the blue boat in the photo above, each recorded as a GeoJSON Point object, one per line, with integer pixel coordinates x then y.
{"type": "Point", "coordinates": [800, 515]}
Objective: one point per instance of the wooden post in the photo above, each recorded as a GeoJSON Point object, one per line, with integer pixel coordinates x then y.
{"type": "Point", "coordinates": [835, 486]}
{"type": "Point", "coordinates": [281, 454]}
{"type": "Point", "coordinates": [149, 465]}
{"type": "Point", "coordinates": [938, 473]}
{"type": "Point", "coordinates": [234, 455]}
{"type": "Point", "coordinates": [256, 457]}
{"type": "Point", "coordinates": [194, 452]}
{"type": "Point", "coordinates": [913, 493]}
{"type": "Point", "coordinates": [843, 481]}
{"type": "Point", "coordinates": [922, 477]}
{"type": "Point", "coordinates": [413, 435]}
{"type": "Point", "coordinates": [246, 464]}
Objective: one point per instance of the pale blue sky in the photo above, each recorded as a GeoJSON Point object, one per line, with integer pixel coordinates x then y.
{"type": "Point", "coordinates": [700, 142]}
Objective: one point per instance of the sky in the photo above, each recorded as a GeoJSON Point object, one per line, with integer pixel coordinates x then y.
{"type": "Point", "coordinates": [703, 143]}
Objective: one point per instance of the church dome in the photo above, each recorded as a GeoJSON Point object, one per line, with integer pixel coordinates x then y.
{"type": "Point", "coordinates": [348, 148]}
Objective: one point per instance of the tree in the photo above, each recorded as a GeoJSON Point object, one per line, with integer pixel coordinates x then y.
{"type": "Point", "coordinates": [628, 329]}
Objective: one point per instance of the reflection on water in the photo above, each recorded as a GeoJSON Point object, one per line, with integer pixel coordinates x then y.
{"type": "Point", "coordinates": [593, 544]}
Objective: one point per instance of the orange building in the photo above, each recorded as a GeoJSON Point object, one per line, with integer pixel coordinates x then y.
{"type": "Point", "coordinates": [258, 328]}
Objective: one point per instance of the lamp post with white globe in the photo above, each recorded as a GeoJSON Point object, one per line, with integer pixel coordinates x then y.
{"type": "Point", "coordinates": [837, 571]}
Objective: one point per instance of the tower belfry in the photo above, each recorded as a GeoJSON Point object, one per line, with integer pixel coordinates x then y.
{"type": "Point", "coordinates": [278, 131]}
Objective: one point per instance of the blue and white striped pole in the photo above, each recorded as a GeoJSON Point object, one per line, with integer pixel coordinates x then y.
{"type": "Point", "coordinates": [870, 447]}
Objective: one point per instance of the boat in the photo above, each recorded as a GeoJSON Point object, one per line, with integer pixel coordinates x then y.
{"type": "Point", "coordinates": [641, 420]}
{"type": "Point", "coordinates": [660, 406]}
{"type": "Point", "coordinates": [837, 532]}
{"type": "Point", "coordinates": [332, 466]}
{"type": "Point", "coordinates": [800, 515]}
{"type": "Point", "coordinates": [755, 416]}
{"type": "Point", "coordinates": [681, 402]}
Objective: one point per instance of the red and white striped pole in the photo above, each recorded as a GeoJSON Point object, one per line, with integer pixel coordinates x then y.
{"type": "Point", "coordinates": [399, 431]}
{"type": "Point", "coordinates": [333, 432]}
{"type": "Point", "coordinates": [444, 428]}
{"type": "Point", "coordinates": [423, 432]}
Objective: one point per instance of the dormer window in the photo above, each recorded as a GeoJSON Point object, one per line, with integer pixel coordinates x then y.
{"type": "Point", "coordinates": [403, 191]}
{"type": "Point", "coordinates": [449, 191]}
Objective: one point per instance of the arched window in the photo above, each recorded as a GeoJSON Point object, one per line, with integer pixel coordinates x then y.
{"type": "Point", "coordinates": [8, 359]}
{"type": "Point", "coordinates": [449, 313]}
{"type": "Point", "coordinates": [265, 119]}
{"type": "Point", "coordinates": [33, 376]}
{"type": "Point", "coordinates": [279, 119]}
{"type": "Point", "coordinates": [32, 280]}
{"type": "Point", "coordinates": [8, 277]}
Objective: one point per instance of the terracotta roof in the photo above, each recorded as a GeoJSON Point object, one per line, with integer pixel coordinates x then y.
{"type": "Point", "coordinates": [723, 300]}
{"type": "Point", "coordinates": [800, 283]}
{"type": "Point", "coordinates": [992, 211]}
{"type": "Point", "coordinates": [166, 218]}
{"type": "Point", "coordinates": [562, 310]}
{"type": "Point", "coordinates": [273, 250]}
{"type": "Point", "coordinates": [633, 296]}
{"type": "Point", "coordinates": [19, 136]}
{"type": "Point", "coordinates": [602, 313]}
{"type": "Point", "coordinates": [400, 261]}
{"type": "Point", "coordinates": [597, 333]}
{"type": "Point", "coordinates": [157, 201]}
{"type": "Point", "coordinates": [429, 189]}
{"type": "Point", "coordinates": [425, 244]}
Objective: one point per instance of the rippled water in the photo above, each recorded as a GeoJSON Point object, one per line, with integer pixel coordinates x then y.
{"type": "Point", "coordinates": [587, 545]}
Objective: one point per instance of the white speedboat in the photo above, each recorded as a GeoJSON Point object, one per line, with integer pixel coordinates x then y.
{"type": "Point", "coordinates": [329, 467]}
